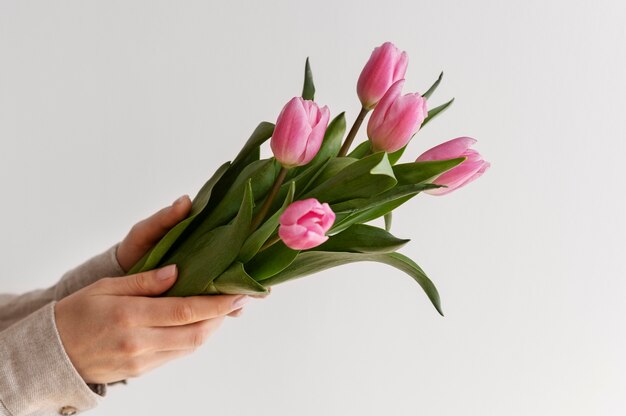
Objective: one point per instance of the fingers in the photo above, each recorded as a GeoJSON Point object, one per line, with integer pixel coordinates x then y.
{"type": "Point", "coordinates": [150, 283]}
{"type": "Point", "coordinates": [185, 337]}
{"type": "Point", "coordinates": [145, 234]}
{"type": "Point", "coordinates": [177, 311]}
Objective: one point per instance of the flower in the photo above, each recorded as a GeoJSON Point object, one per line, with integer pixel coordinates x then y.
{"type": "Point", "coordinates": [299, 132]}
{"type": "Point", "coordinates": [396, 119]}
{"type": "Point", "coordinates": [304, 224]}
{"type": "Point", "coordinates": [385, 66]}
{"type": "Point", "coordinates": [470, 169]}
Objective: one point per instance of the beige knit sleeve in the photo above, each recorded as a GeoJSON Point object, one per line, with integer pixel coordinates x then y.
{"type": "Point", "coordinates": [36, 375]}
{"type": "Point", "coordinates": [15, 307]}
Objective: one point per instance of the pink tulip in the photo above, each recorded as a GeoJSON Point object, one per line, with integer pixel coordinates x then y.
{"type": "Point", "coordinates": [304, 224]}
{"type": "Point", "coordinates": [386, 66]}
{"type": "Point", "coordinates": [461, 175]}
{"type": "Point", "coordinates": [396, 119]}
{"type": "Point", "coordinates": [299, 132]}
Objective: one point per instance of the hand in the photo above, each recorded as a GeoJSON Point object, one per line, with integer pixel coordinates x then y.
{"type": "Point", "coordinates": [113, 330]}
{"type": "Point", "coordinates": [145, 234]}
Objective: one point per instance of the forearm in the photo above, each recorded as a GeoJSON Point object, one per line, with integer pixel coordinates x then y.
{"type": "Point", "coordinates": [36, 375]}
{"type": "Point", "coordinates": [16, 307]}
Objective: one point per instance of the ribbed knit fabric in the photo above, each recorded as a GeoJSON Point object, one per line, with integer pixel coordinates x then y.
{"type": "Point", "coordinates": [36, 375]}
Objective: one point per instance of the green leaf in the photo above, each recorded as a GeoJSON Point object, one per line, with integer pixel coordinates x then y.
{"type": "Point", "coordinates": [256, 240]}
{"type": "Point", "coordinates": [212, 254]}
{"type": "Point", "coordinates": [310, 262]}
{"type": "Point", "coordinates": [369, 176]}
{"type": "Point", "coordinates": [270, 261]}
{"type": "Point", "coordinates": [154, 256]}
{"type": "Point", "coordinates": [395, 156]}
{"type": "Point", "coordinates": [308, 90]}
{"type": "Point", "coordinates": [262, 173]}
{"type": "Point", "coordinates": [247, 155]}
{"type": "Point", "coordinates": [365, 210]}
{"type": "Point", "coordinates": [334, 166]}
{"type": "Point", "coordinates": [420, 172]}
{"type": "Point", "coordinates": [360, 238]}
{"type": "Point", "coordinates": [332, 141]}
{"type": "Point", "coordinates": [436, 111]}
{"type": "Point", "coordinates": [388, 221]}
{"type": "Point", "coordinates": [235, 281]}
{"type": "Point", "coordinates": [433, 87]}
{"type": "Point", "coordinates": [362, 150]}
{"type": "Point", "coordinates": [259, 136]}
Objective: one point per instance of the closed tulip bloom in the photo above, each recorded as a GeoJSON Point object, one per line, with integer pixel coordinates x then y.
{"type": "Point", "coordinates": [396, 119]}
{"type": "Point", "coordinates": [386, 65]}
{"type": "Point", "coordinates": [470, 169]}
{"type": "Point", "coordinates": [299, 132]}
{"type": "Point", "coordinates": [304, 224]}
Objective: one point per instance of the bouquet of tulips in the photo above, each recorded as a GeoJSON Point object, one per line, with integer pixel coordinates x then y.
{"type": "Point", "coordinates": [260, 222]}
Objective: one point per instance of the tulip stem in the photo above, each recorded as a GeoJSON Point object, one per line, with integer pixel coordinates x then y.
{"type": "Point", "coordinates": [269, 199]}
{"type": "Point", "coordinates": [353, 131]}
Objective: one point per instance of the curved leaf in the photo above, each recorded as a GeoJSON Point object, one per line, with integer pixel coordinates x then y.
{"type": "Point", "coordinates": [154, 256]}
{"type": "Point", "coordinates": [436, 111]}
{"type": "Point", "coordinates": [361, 238]}
{"type": "Point", "coordinates": [433, 87]}
{"type": "Point", "coordinates": [366, 177]}
{"type": "Point", "coordinates": [362, 150]}
{"type": "Point", "coordinates": [235, 281]}
{"type": "Point", "coordinates": [420, 172]}
{"type": "Point", "coordinates": [211, 254]}
{"type": "Point", "coordinates": [256, 240]}
{"type": "Point", "coordinates": [270, 261]}
{"type": "Point", "coordinates": [310, 262]}
{"type": "Point", "coordinates": [365, 210]}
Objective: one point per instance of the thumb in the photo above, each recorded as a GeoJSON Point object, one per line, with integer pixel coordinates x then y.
{"type": "Point", "coordinates": [150, 283]}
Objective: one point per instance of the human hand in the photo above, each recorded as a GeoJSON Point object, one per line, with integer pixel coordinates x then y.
{"type": "Point", "coordinates": [113, 330]}
{"type": "Point", "coordinates": [145, 234]}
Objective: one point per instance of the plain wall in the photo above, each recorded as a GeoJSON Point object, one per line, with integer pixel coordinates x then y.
{"type": "Point", "coordinates": [110, 110]}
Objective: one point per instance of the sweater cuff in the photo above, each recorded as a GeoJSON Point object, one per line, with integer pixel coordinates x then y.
{"type": "Point", "coordinates": [36, 375]}
{"type": "Point", "coordinates": [104, 264]}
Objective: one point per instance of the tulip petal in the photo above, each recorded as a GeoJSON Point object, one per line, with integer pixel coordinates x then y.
{"type": "Point", "coordinates": [447, 150]}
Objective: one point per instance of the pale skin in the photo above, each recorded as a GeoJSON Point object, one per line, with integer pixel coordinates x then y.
{"type": "Point", "coordinates": [116, 328]}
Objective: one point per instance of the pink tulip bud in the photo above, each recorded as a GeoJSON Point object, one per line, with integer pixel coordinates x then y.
{"type": "Point", "coordinates": [304, 224]}
{"type": "Point", "coordinates": [299, 132]}
{"type": "Point", "coordinates": [386, 66]}
{"type": "Point", "coordinates": [396, 119]}
{"type": "Point", "coordinates": [460, 175]}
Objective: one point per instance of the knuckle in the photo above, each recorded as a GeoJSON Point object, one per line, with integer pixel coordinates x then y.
{"type": "Point", "coordinates": [134, 368]}
{"type": "Point", "coordinates": [183, 312]}
{"type": "Point", "coordinates": [139, 283]}
{"type": "Point", "coordinates": [130, 346]}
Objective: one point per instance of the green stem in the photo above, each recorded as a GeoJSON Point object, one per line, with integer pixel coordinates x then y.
{"type": "Point", "coordinates": [353, 131]}
{"type": "Point", "coordinates": [269, 199]}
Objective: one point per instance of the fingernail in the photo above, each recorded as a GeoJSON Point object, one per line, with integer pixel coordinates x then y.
{"type": "Point", "coordinates": [179, 200]}
{"type": "Point", "coordinates": [240, 301]}
{"type": "Point", "coordinates": [166, 272]}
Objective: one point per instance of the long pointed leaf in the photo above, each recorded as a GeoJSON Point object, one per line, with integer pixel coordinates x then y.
{"type": "Point", "coordinates": [433, 87]}
{"type": "Point", "coordinates": [310, 262]}
{"type": "Point", "coordinates": [436, 111]}
{"type": "Point", "coordinates": [308, 90]}
{"type": "Point", "coordinates": [256, 240]}
{"type": "Point", "coordinates": [212, 254]}
{"type": "Point", "coordinates": [235, 281]}
{"type": "Point", "coordinates": [154, 256]}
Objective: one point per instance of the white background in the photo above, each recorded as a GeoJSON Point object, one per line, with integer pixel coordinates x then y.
{"type": "Point", "coordinates": [110, 110]}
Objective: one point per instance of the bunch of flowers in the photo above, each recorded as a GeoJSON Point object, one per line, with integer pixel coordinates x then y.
{"type": "Point", "coordinates": [260, 222]}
